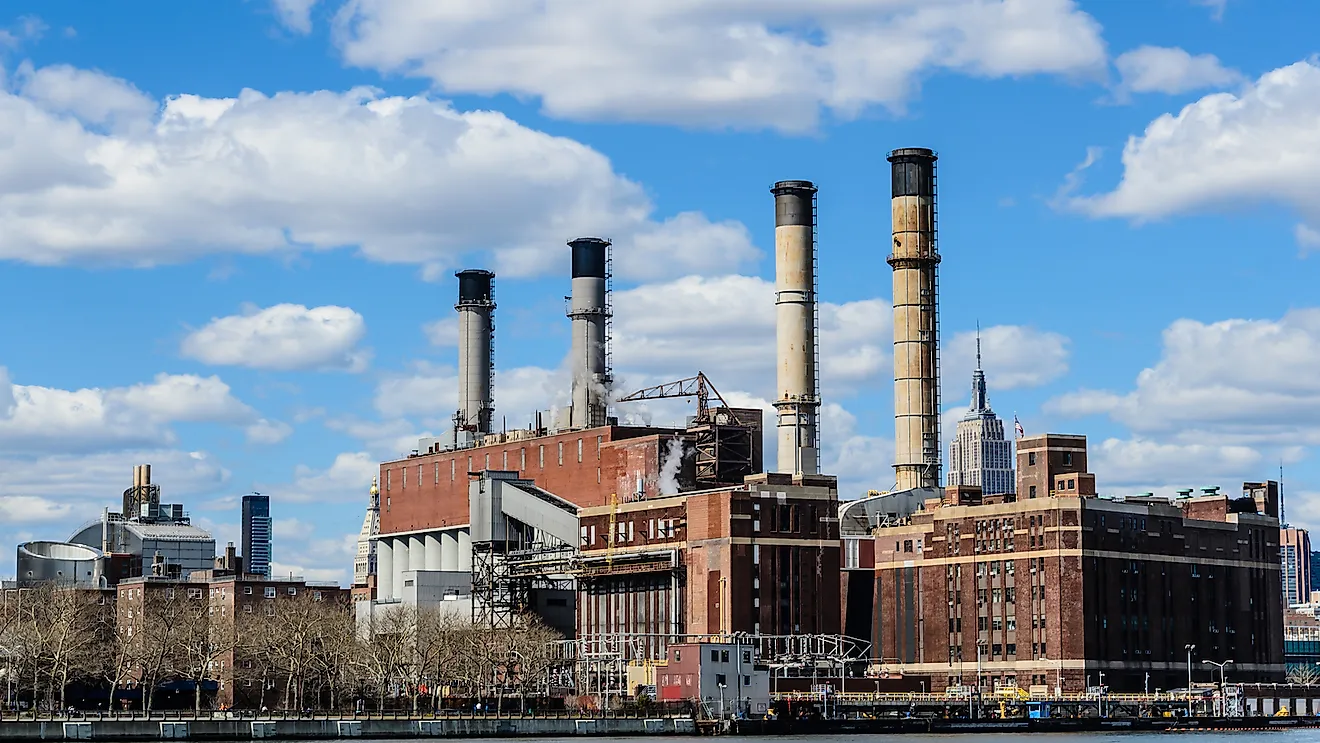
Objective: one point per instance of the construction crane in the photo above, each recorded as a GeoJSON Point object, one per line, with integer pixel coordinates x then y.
{"type": "Point", "coordinates": [698, 387]}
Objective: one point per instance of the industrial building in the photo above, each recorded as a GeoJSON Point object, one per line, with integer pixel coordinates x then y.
{"type": "Point", "coordinates": [1054, 588]}
{"type": "Point", "coordinates": [121, 544]}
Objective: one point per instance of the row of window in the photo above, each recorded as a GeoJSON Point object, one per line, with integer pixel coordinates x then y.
{"type": "Point", "coordinates": [504, 464]}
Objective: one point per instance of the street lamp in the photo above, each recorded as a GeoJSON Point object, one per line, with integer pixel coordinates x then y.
{"type": "Point", "coordinates": [1222, 685]}
{"type": "Point", "coordinates": [1190, 648]}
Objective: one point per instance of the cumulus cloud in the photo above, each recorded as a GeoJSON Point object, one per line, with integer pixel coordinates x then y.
{"type": "Point", "coordinates": [346, 480]}
{"type": "Point", "coordinates": [64, 490]}
{"type": "Point", "coordinates": [295, 15]}
{"type": "Point", "coordinates": [1141, 464]}
{"type": "Point", "coordinates": [1234, 382]}
{"type": "Point", "coordinates": [1308, 239]}
{"type": "Point", "coordinates": [1170, 70]}
{"type": "Point", "coordinates": [1013, 356]}
{"type": "Point", "coordinates": [41, 418]}
{"type": "Point", "coordinates": [719, 62]}
{"type": "Point", "coordinates": [667, 330]}
{"type": "Point", "coordinates": [268, 432]}
{"type": "Point", "coordinates": [403, 179]}
{"type": "Point", "coordinates": [442, 333]}
{"type": "Point", "coordinates": [1226, 149]}
{"type": "Point", "coordinates": [284, 337]}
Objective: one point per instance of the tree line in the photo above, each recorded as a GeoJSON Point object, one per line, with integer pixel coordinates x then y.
{"type": "Point", "coordinates": [66, 647]}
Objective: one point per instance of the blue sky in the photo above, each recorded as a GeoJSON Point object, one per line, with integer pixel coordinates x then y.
{"type": "Point", "coordinates": [229, 230]}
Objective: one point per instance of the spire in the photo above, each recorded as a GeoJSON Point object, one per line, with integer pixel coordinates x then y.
{"type": "Point", "coordinates": [980, 401]}
{"type": "Point", "coordinates": [375, 496]}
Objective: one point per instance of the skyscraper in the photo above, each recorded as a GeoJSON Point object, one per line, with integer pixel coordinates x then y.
{"type": "Point", "coordinates": [978, 454]}
{"type": "Point", "coordinates": [1295, 556]}
{"type": "Point", "coordinates": [365, 564]}
{"type": "Point", "coordinates": [256, 534]}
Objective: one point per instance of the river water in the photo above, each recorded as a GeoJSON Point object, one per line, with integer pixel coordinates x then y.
{"type": "Point", "coordinates": [1245, 736]}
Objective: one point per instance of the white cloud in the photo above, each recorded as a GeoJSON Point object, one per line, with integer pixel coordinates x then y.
{"type": "Point", "coordinates": [268, 432]}
{"type": "Point", "coordinates": [42, 418]}
{"type": "Point", "coordinates": [1234, 382]}
{"type": "Point", "coordinates": [770, 63]}
{"type": "Point", "coordinates": [667, 331]}
{"type": "Point", "coordinates": [284, 337]}
{"type": "Point", "coordinates": [1013, 356]}
{"type": "Point", "coordinates": [404, 180]}
{"type": "Point", "coordinates": [1171, 70]}
{"type": "Point", "coordinates": [346, 480]}
{"type": "Point", "coordinates": [1217, 7]}
{"type": "Point", "coordinates": [1225, 150]}
{"type": "Point", "coordinates": [89, 95]}
{"type": "Point", "coordinates": [1308, 239]}
{"type": "Point", "coordinates": [442, 333]}
{"type": "Point", "coordinates": [295, 15]}
{"type": "Point", "coordinates": [1139, 464]}
{"type": "Point", "coordinates": [32, 509]}
{"type": "Point", "coordinates": [64, 490]}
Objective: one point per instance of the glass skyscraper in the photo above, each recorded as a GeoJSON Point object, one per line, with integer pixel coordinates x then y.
{"type": "Point", "coordinates": [256, 534]}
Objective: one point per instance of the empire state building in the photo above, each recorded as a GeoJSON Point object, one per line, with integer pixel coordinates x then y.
{"type": "Point", "coordinates": [979, 455]}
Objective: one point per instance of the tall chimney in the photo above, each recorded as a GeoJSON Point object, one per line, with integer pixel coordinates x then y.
{"type": "Point", "coordinates": [915, 260]}
{"type": "Point", "coordinates": [589, 312]}
{"type": "Point", "coordinates": [476, 306]}
{"type": "Point", "coordinates": [795, 326]}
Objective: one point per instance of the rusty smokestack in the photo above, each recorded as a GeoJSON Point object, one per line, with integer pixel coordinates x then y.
{"type": "Point", "coordinates": [915, 260]}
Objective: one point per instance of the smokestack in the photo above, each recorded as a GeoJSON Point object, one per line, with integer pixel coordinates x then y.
{"type": "Point", "coordinates": [476, 346]}
{"type": "Point", "coordinates": [915, 260]}
{"type": "Point", "coordinates": [795, 326]}
{"type": "Point", "coordinates": [146, 475]}
{"type": "Point", "coordinates": [589, 310]}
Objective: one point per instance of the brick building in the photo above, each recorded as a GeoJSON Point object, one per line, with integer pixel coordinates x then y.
{"type": "Point", "coordinates": [1057, 586]}
{"type": "Point", "coordinates": [754, 558]}
{"type": "Point", "coordinates": [231, 599]}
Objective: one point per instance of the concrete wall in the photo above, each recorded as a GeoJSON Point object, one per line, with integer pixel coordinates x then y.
{"type": "Point", "coordinates": [320, 729]}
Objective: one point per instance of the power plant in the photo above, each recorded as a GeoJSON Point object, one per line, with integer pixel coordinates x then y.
{"type": "Point", "coordinates": [636, 542]}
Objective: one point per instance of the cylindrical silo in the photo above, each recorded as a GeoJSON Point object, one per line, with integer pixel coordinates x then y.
{"type": "Point", "coordinates": [589, 312]}
{"type": "Point", "coordinates": [795, 326]}
{"type": "Point", "coordinates": [915, 260]}
{"type": "Point", "coordinates": [476, 307]}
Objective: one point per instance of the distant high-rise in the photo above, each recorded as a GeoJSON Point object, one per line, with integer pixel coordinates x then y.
{"type": "Point", "coordinates": [978, 454]}
{"type": "Point", "coordinates": [256, 534]}
{"type": "Point", "coordinates": [1295, 559]}
{"type": "Point", "coordinates": [365, 564]}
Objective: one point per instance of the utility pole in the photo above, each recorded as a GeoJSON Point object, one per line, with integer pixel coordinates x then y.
{"type": "Point", "coordinates": [1190, 648]}
{"type": "Point", "coordinates": [1223, 689]}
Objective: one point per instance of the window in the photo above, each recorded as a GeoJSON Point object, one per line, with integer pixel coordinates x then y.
{"type": "Point", "coordinates": [270, 610]}
{"type": "Point", "coordinates": [561, 454]}
{"type": "Point", "coordinates": [1067, 458]}
{"type": "Point", "coordinates": [1032, 492]}
{"type": "Point", "coordinates": [247, 608]}
{"type": "Point", "coordinates": [714, 656]}
{"type": "Point", "coordinates": [541, 454]}
{"type": "Point", "coordinates": [747, 657]}
{"type": "Point", "coordinates": [1031, 458]}
{"type": "Point", "coordinates": [194, 593]}
{"type": "Point", "coordinates": [579, 451]}
{"type": "Point", "coordinates": [169, 593]}
{"type": "Point", "coordinates": [724, 656]}
{"type": "Point", "coordinates": [522, 459]}
{"type": "Point", "coordinates": [997, 623]}
{"type": "Point", "coordinates": [437, 473]}
{"type": "Point", "coordinates": [1012, 623]}
{"type": "Point", "coordinates": [247, 590]}
{"type": "Point", "coordinates": [721, 679]}
{"type": "Point", "coordinates": [270, 592]}
{"type": "Point", "coordinates": [404, 471]}
{"type": "Point", "coordinates": [293, 591]}
{"type": "Point", "coordinates": [1071, 483]}
{"type": "Point", "coordinates": [747, 680]}
{"type": "Point", "coordinates": [487, 466]}
{"type": "Point", "coordinates": [389, 479]}
{"type": "Point", "coordinates": [505, 462]}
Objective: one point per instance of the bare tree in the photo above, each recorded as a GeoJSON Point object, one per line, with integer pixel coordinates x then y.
{"type": "Point", "coordinates": [203, 638]}
{"type": "Point", "coordinates": [387, 647]}
{"type": "Point", "coordinates": [1303, 674]}
{"type": "Point", "coordinates": [532, 644]}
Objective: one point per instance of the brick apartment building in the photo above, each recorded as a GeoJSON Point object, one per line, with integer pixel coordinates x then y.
{"type": "Point", "coordinates": [1057, 586]}
{"type": "Point", "coordinates": [230, 599]}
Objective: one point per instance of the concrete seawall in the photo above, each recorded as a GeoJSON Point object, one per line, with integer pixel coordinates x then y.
{"type": "Point", "coordinates": [321, 729]}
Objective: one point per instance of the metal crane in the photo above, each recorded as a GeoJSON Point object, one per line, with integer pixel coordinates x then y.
{"type": "Point", "coordinates": [698, 387]}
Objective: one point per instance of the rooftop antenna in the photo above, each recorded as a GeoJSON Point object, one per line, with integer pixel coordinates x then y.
{"type": "Point", "coordinates": [1283, 521]}
{"type": "Point", "coordinates": [978, 344]}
